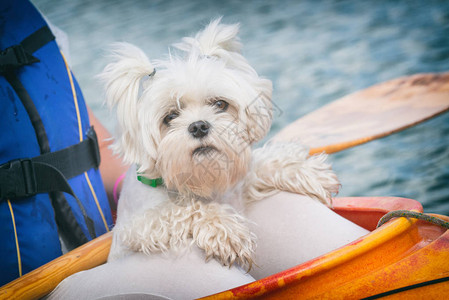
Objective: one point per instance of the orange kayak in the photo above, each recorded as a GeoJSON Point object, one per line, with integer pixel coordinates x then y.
{"type": "Point", "coordinates": [403, 259]}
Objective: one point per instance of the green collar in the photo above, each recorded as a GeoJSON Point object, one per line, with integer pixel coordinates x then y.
{"type": "Point", "coordinates": [151, 182]}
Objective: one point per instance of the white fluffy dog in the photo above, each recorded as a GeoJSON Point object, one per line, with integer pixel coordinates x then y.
{"type": "Point", "coordinates": [187, 123]}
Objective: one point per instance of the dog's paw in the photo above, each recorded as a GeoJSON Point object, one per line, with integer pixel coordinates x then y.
{"type": "Point", "coordinates": [147, 233]}
{"type": "Point", "coordinates": [223, 234]}
{"type": "Point", "coordinates": [324, 181]}
{"type": "Point", "coordinates": [289, 167]}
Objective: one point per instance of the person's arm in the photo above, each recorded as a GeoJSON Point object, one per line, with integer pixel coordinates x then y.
{"type": "Point", "coordinates": [111, 166]}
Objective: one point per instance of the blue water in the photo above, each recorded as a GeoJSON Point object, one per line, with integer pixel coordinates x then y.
{"type": "Point", "coordinates": [314, 52]}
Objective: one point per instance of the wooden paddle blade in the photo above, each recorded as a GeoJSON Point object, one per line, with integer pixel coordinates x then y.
{"type": "Point", "coordinates": [371, 113]}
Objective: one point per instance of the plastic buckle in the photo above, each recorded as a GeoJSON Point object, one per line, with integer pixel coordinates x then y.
{"type": "Point", "coordinates": [14, 57]}
{"type": "Point", "coordinates": [18, 179]}
{"type": "Point", "coordinates": [21, 55]}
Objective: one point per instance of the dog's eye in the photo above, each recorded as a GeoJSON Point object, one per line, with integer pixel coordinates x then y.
{"type": "Point", "coordinates": [168, 118]}
{"type": "Point", "coordinates": [221, 105]}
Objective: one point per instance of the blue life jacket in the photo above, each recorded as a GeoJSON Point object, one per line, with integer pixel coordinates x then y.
{"type": "Point", "coordinates": [50, 185]}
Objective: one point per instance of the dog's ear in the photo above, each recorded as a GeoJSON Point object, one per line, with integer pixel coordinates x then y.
{"type": "Point", "coordinates": [122, 79]}
{"type": "Point", "coordinates": [259, 112]}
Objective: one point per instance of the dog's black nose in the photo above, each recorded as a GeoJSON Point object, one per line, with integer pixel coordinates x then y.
{"type": "Point", "coordinates": [199, 129]}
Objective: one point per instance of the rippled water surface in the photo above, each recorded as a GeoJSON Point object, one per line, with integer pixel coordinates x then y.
{"type": "Point", "coordinates": [314, 52]}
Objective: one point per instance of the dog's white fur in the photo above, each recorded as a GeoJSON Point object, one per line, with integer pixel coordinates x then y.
{"type": "Point", "coordinates": [208, 180]}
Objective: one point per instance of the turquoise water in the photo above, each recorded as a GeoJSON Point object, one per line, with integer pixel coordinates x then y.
{"type": "Point", "coordinates": [314, 52]}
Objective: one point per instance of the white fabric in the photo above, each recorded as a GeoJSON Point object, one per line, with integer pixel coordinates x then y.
{"type": "Point", "coordinates": [291, 229]}
{"type": "Point", "coordinates": [185, 277]}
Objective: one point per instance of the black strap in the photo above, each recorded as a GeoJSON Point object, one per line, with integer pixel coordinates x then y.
{"type": "Point", "coordinates": [37, 39]}
{"type": "Point", "coordinates": [69, 229]}
{"type": "Point", "coordinates": [21, 54]}
{"type": "Point", "coordinates": [31, 109]}
{"type": "Point", "coordinates": [76, 159]}
{"type": "Point", "coordinates": [49, 172]}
